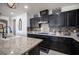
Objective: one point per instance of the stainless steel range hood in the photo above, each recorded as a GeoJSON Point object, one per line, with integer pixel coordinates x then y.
{"type": "Point", "coordinates": [42, 22]}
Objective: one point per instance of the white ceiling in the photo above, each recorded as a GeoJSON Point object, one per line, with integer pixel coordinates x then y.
{"type": "Point", "coordinates": [32, 7]}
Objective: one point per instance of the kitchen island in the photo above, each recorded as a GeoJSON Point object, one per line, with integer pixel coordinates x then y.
{"type": "Point", "coordinates": [19, 45]}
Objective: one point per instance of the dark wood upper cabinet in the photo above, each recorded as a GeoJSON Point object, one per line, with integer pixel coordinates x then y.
{"type": "Point", "coordinates": [72, 18]}
{"type": "Point", "coordinates": [63, 19]}
{"type": "Point", "coordinates": [44, 18]}
{"type": "Point", "coordinates": [34, 22]}
{"type": "Point", "coordinates": [69, 18]}
{"type": "Point", "coordinates": [58, 20]}
{"type": "Point", "coordinates": [44, 12]}
{"type": "Point", "coordinates": [52, 20]}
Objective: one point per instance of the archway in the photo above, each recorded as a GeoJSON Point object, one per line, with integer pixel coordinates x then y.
{"type": "Point", "coordinates": [3, 23]}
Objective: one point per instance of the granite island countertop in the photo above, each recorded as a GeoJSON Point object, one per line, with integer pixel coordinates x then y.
{"type": "Point", "coordinates": [17, 45]}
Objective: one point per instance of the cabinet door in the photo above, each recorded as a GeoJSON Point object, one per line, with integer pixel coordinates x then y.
{"type": "Point", "coordinates": [61, 44]}
{"type": "Point", "coordinates": [45, 18]}
{"type": "Point", "coordinates": [67, 44]}
{"type": "Point", "coordinates": [34, 22]}
{"type": "Point", "coordinates": [59, 21]}
{"type": "Point", "coordinates": [63, 19]}
{"type": "Point", "coordinates": [46, 42]}
{"type": "Point", "coordinates": [72, 18]}
{"type": "Point", "coordinates": [64, 45]}
{"type": "Point", "coordinates": [78, 17]}
{"type": "Point", "coordinates": [75, 47]}
{"type": "Point", "coordinates": [52, 21]}
{"type": "Point", "coordinates": [54, 43]}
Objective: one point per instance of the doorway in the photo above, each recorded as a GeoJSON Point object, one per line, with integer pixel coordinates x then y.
{"type": "Point", "coordinates": [14, 27]}
{"type": "Point", "coordinates": [3, 23]}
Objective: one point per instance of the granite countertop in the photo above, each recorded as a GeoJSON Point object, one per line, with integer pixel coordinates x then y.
{"type": "Point", "coordinates": [59, 35]}
{"type": "Point", "coordinates": [17, 45]}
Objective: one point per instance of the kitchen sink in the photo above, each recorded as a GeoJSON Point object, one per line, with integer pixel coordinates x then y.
{"type": "Point", "coordinates": [43, 33]}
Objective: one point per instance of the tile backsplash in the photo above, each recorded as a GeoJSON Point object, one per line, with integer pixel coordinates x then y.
{"type": "Point", "coordinates": [46, 28]}
{"type": "Point", "coordinates": [65, 30]}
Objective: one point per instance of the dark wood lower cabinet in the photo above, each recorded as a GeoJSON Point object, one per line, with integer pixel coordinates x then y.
{"type": "Point", "coordinates": [35, 51]}
{"type": "Point", "coordinates": [62, 44]}
{"type": "Point", "coordinates": [65, 45]}
{"type": "Point", "coordinates": [75, 47]}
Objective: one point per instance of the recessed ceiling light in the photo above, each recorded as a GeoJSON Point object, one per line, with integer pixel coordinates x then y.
{"type": "Point", "coordinates": [25, 7]}
{"type": "Point", "coordinates": [12, 13]}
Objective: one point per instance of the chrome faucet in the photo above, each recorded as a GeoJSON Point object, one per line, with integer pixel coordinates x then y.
{"type": "Point", "coordinates": [5, 31]}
